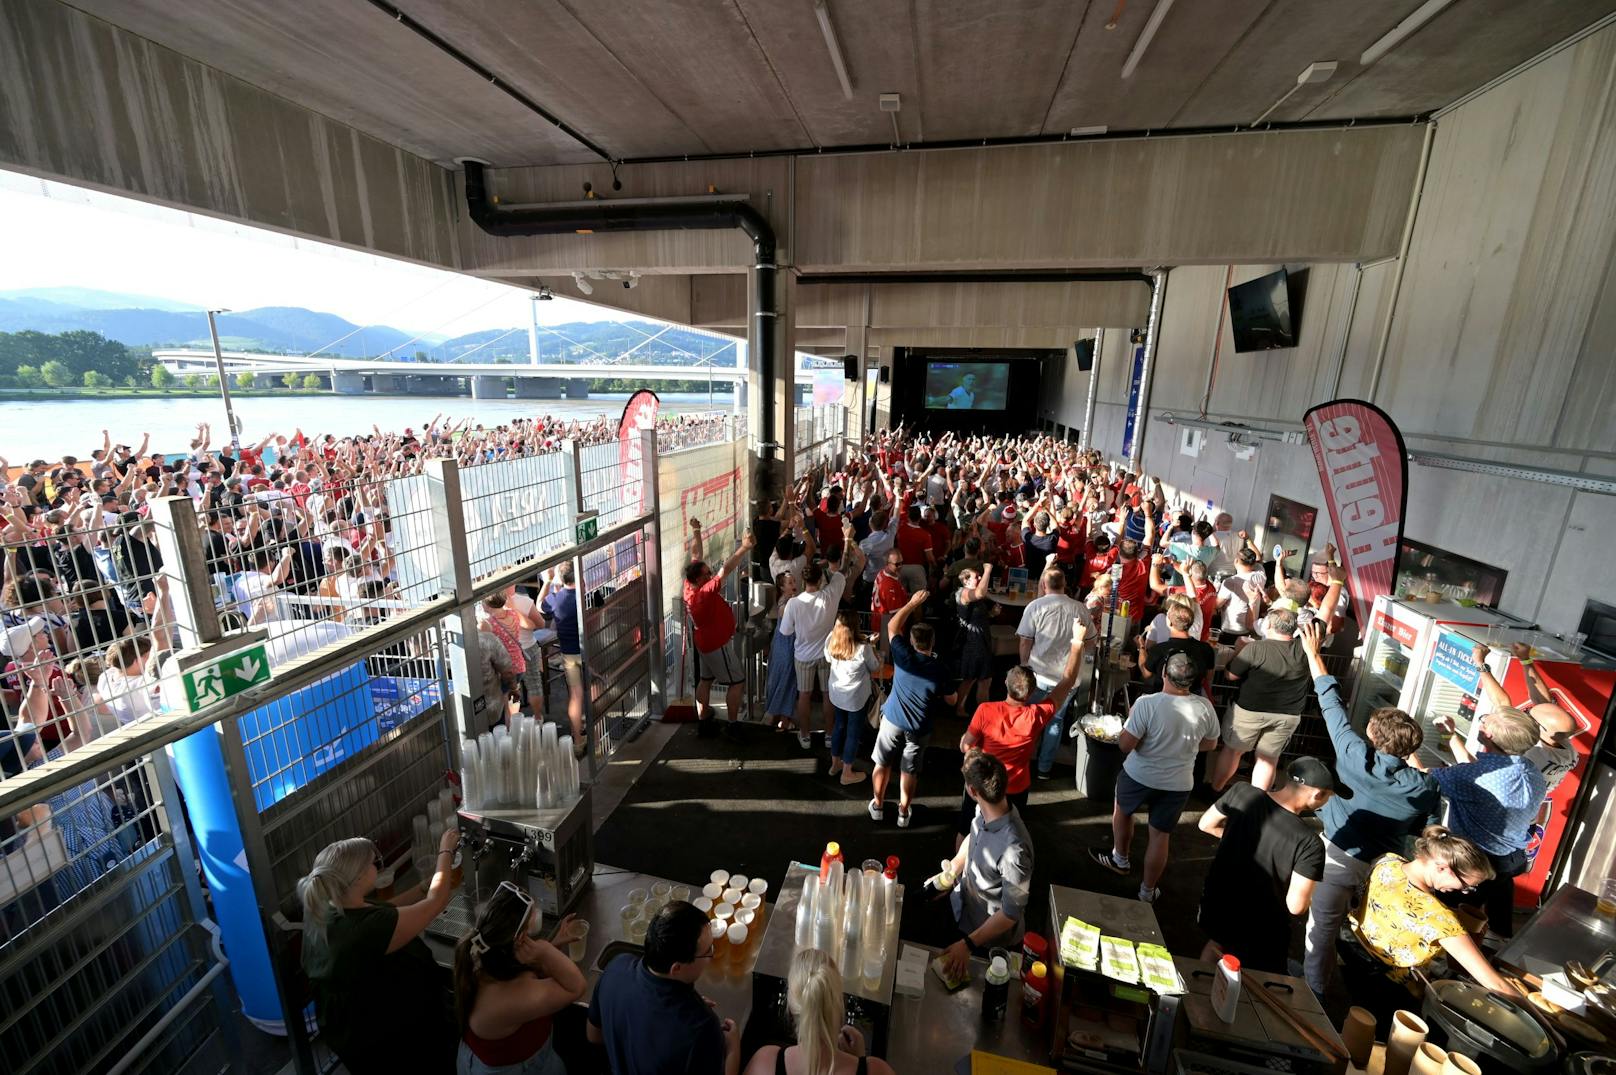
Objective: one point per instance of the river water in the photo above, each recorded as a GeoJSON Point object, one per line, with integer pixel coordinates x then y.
{"type": "Point", "coordinates": [51, 428]}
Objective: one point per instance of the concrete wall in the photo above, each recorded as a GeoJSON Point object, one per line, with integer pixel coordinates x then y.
{"type": "Point", "coordinates": [1502, 345]}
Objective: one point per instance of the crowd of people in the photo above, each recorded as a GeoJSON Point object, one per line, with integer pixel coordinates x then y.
{"type": "Point", "coordinates": [889, 580]}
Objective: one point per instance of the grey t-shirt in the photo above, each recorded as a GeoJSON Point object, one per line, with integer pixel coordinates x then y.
{"type": "Point", "coordinates": [998, 875]}
{"type": "Point", "coordinates": [1169, 728]}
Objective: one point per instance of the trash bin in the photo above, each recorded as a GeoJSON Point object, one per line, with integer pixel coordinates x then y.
{"type": "Point", "coordinates": [1100, 768]}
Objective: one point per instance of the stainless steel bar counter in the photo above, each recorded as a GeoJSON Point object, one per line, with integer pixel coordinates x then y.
{"type": "Point", "coordinates": [931, 1032]}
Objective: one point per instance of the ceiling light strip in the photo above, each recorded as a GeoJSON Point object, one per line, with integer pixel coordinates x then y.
{"type": "Point", "coordinates": [1394, 37]}
{"type": "Point", "coordinates": [822, 13]}
{"type": "Point", "coordinates": [1146, 36]}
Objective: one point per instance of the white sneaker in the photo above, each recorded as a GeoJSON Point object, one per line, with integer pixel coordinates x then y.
{"type": "Point", "coordinates": [805, 740]}
{"type": "Point", "coordinates": [903, 819]}
{"type": "Point", "coordinates": [1149, 895]}
{"type": "Point", "coordinates": [875, 810]}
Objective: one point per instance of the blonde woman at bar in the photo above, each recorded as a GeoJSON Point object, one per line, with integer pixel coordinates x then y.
{"type": "Point", "coordinates": [825, 1044]}
{"type": "Point", "coordinates": [384, 1004]}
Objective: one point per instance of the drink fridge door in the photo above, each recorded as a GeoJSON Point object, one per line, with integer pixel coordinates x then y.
{"type": "Point", "coordinates": [1392, 636]}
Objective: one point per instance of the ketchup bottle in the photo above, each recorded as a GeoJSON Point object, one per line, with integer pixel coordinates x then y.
{"type": "Point", "coordinates": [833, 853]}
{"type": "Point", "coordinates": [1034, 995]}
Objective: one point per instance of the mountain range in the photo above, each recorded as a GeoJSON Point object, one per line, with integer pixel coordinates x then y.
{"type": "Point", "coordinates": [143, 321]}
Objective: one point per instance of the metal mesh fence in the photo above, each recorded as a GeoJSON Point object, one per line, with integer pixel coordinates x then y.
{"type": "Point", "coordinates": [618, 644]}
{"type": "Point", "coordinates": [819, 435]}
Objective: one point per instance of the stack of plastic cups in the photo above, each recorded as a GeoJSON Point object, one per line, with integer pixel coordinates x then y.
{"type": "Point", "coordinates": [541, 786]}
{"type": "Point", "coordinates": [758, 887]}
{"type": "Point", "coordinates": [470, 779]}
{"type": "Point", "coordinates": [873, 940]}
{"type": "Point", "coordinates": [806, 911]}
{"type": "Point", "coordinates": [738, 936]}
{"type": "Point", "coordinates": [421, 847]}
{"type": "Point", "coordinates": [434, 817]}
{"type": "Point", "coordinates": [446, 800]}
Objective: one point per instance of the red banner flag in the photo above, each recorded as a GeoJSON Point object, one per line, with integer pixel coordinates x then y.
{"type": "Point", "coordinates": [1363, 468]}
{"type": "Point", "coordinates": [639, 414]}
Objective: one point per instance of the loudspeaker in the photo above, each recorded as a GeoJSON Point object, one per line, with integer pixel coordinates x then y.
{"type": "Point", "coordinates": [1085, 355]}
{"type": "Point", "coordinates": [886, 374]}
{"type": "Point", "coordinates": [850, 367]}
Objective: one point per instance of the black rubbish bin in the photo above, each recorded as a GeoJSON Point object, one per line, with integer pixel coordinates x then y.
{"type": "Point", "coordinates": [1102, 763]}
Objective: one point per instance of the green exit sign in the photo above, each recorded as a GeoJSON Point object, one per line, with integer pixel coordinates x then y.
{"type": "Point", "coordinates": [230, 675]}
{"type": "Point", "coordinates": [587, 529]}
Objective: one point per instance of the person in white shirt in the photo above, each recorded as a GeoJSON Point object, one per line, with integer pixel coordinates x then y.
{"type": "Point", "coordinates": [1228, 544]}
{"type": "Point", "coordinates": [807, 620]}
{"type": "Point", "coordinates": [256, 589]}
{"type": "Point", "coordinates": [1241, 596]}
{"type": "Point", "coordinates": [1045, 635]}
{"type": "Point", "coordinates": [793, 551]}
{"type": "Point", "coordinates": [883, 532]}
{"type": "Point", "coordinates": [852, 660]}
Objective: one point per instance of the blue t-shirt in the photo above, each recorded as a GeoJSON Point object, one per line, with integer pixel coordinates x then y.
{"type": "Point", "coordinates": [561, 608]}
{"type": "Point", "coordinates": [654, 1026]}
{"type": "Point", "coordinates": [919, 682]}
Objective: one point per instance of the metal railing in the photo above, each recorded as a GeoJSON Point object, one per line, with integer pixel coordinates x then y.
{"type": "Point", "coordinates": [820, 436]}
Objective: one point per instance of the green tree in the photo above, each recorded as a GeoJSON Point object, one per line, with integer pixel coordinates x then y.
{"type": "Point", "coordinates": [291, 380]}
{"type": "Point", "coordinates": [244, 379]}
{"type": "Point", "coordinates": [162, 378]}
{"type": "Point", "coordinates": [210, 381]}
{"type": "Point", "coordinates": [193, 380]}
{"type": "Point", "coordinates": [96, 379]}
{"type": "Point", "coordinates": [56, 374]}
{"type": "Point", "coordinates": [312, 381]}
{"type": "Point", "coordinates": [28, 376]}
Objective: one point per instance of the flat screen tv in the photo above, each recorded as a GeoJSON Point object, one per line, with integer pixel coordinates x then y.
{"type": "Point", "coordinates": [1260, 313]}
{"type": "Point", "coordinates": [967, 386]}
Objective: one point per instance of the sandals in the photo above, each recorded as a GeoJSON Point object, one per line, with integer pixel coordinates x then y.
{"type": "Point", "coordinates": [785, 724]}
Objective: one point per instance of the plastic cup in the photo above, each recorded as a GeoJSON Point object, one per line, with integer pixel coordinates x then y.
{"type": "Point", "coordinates": [635, 897]}
{"type": "Point", "coordinates": [704, 905]}
{"type": "Point", "coordinates": [732, 895]}
{"type": "Point", "coordinates": [681, 893]}
{"type": "Point", "coordinates": [746, 918]}
{"type": "Point", "coordinates": [662, 890]}
{"type": "Point", "coordinates": [719, 877]}
{"type": "Point", "coordinates": [720, 936]}
{"type": "Point", "coordinates": [575, 949]}
{"type": "Point", "coordinates": [737, 942]}
{"type": "Point", "coordinates": [636, 932]}
{"type": "Point", "coordinates": [760, 888]}
{"type": "Point", "coordinates": [739, 880]}
{"type": "Point", "coordinates": [713, 891]}
{"type": "Point", "coordinates": [629, 916]}
{"type": "Point", "coordinates": [723, 912]}
{"type": "Point", "coordinates": [751, 902]}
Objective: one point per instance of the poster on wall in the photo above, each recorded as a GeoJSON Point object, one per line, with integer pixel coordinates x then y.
{"type": "Point", "coordinates": [639, 414]}
{"type": "Point", "coordinates": [1134, 382]}
{"type": "Point", "coordinates": [1363, 469]}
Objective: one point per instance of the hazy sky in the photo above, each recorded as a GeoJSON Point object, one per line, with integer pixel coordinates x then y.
{"type": "Point", "coordinates": [57, 235]}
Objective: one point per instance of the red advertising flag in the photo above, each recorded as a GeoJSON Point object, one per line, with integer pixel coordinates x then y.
{"type": "Point", "coordinates": [1363, 468]}
{"type": "Point", "coordinates": [639, 414]}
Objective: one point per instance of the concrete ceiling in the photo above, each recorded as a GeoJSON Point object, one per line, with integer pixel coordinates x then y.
{"type": "Point", "coordinates": [671, 77]}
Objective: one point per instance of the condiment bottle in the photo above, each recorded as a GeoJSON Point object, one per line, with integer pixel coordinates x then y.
{"type": "Point", "coordinates": [996, 990]}
{"type": "Point", "coordinates": [1034, 949]}
{"type": "Point", "coordinates": [1226, 988]}
{"type": "Point", "coordinates": [833, 853]}
{"type": "Point", "coordinates": [1034, 992]}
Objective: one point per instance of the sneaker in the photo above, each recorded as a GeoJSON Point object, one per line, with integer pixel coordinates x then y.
{"type": "Point", "coordinates": [903, 819]}
{"type": "Point", "coordinates": [835, 767]}
{"type": "Point", "coordinates": [1105, 858]}
{"type": "Point", "coordinates": [1044, 776]}
{"type": "Point", "coordinates": [580, 748]}
{"type": "Point", "coordinates": [852, 776]}
{"type": "Point", "coordinates": [1148, 895]}
{"type": "Point", "coordinates": [805, 740]}
{"type": "Point", "coordinates": [875, 810]}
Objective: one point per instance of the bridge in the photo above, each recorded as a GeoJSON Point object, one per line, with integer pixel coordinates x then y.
{"type": "Point", "coordinates": [487, 380]}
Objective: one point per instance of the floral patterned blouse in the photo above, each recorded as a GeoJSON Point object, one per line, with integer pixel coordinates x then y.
{"type": "Point", "coordinates": [1398, 923]}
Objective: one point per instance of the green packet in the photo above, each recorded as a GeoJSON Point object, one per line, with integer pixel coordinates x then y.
{"type": "Point", "coordinates": [1079, 944]}
{"type": "Point", "coordinates": [1118, 961]}
{"type": "Point", "coordinates": [1156, 964]}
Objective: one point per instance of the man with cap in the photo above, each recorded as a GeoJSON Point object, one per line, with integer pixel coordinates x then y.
{"type": "Point", "coordinates": [1266, 866]}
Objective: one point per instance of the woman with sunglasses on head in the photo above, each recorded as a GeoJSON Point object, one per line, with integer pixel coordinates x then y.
{"type": "Point", "coordinates": [383, 1002]}
{"type": "Point", "coordinates": [508, 985]}
{"type": "Point", "coordinates": [1402, 921]}
{"type": "Point", "coordinates": [826, 1045]}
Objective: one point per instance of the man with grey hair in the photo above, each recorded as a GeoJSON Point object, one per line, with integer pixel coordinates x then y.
{"type": "Point", "coordinates": [1159, 741]}
{"type": "Point", "coordinates": [1274, 687]}
{"type": "Point", "coordinates": [1044, 634]}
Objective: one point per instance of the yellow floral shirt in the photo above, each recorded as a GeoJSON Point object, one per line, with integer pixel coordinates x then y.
{"type": "Point", "coordinates": [1399, 924]}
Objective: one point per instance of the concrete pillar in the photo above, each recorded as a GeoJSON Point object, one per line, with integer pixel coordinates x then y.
{"type": "Point", "coordinates": [773, 471]}
{"type": "Point", "coordinates": [858, 407]}
{"type": "Point", "coordinates": [538, 388]}
{"type": "Point", "coordinates": [347, 384]}
{"type": "Point", "coordinates": [489, 387]}
{"type": "Point", "coordinates": [577, 388]}
{"type": "Point", "coordinates": [738, 390]}
{"type": "Point", "coordinates": [386, 382]}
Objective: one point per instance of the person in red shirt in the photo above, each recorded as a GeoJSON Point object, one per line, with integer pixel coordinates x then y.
{"type": "Point", "coordinates": [1096, 561]}
{"type": "Point", "coordinates": [942, 535]}
{"type": "Point", "coordinates": [828, 524]}
{"type": "Point", "coordinates": [1071, 534]}
{"type": "Point", "coordinates": [1010, 730]}
{"type": "Point", "coordinates": [915, 542]}
{"type": "Point", "coordinates": [712, 624]}
{"type": "Point", "coordinates": [889, 595]}
{"type": "Point", "coordinates": [1134, 586]}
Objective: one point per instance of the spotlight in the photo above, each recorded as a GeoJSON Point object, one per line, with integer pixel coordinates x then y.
{"type": "Point", "coordinates": [583, 285]}
{"type": "Point", "coordinates": [632, 281]}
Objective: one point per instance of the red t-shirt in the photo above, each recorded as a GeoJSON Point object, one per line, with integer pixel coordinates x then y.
{"type": "Point", "coordinates": [941, 535]}
{"type": "Point", "coordinates": [711, 618]}
{"type": "Point", "coordinates": [1010, 733]}
{"type": "Point", "coordinates": [1095, 564]}
{"type": "Point", "coordinates": [913, 542]}
{"type": "Point", "coordinates": [1069, 543]}
{"type": "Point", "coordinates": [1133, 586]}
{"type": "Point", "coordinates": [889, 594]}
{"type": "Point", "coordinates": [828, 529]}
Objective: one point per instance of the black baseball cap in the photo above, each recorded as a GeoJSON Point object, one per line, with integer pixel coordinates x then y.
{"type": "Point", "coordinates": [1310, 771]}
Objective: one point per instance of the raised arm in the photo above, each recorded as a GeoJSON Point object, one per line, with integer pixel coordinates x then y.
{"type": "Point", "coordinates": [1493, 689]}
{"type": "Point", "coordinates": [1074, 663]}
{"type": "Point", "coordinates": [748, 540]}
{"type": "Point", "coordinates": [900, 619]}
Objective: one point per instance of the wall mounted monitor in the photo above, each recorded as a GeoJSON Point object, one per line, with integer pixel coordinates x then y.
{"type": "Point", "coordinates": [1260, 313]}
{"type": "Point", "coordinates": [967, 386]}
{"type": "Point", "coordinates": [1422, 568]}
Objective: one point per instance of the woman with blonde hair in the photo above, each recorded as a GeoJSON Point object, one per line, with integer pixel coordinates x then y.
{"type": "Point", "coordinates": [1403, 922]}
{"type": "Point", "coordinates": [849, 689]}
{"type": "Point", "coordinates": [825, 1044]}
{"type": "Point", "coordinates": [383, 1002]}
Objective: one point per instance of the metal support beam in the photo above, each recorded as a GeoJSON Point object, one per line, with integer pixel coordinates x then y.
{"type": "Point", "coordinates": [656, 615]}
{"type": "Point", "coordinates": [1086, 436]}
{"type": "Point", "coordinates": [1158, 291]}
{"type": "Point", "coordinates": [190, 592]}
{"type": "Point", "coordinates": [462, 650]}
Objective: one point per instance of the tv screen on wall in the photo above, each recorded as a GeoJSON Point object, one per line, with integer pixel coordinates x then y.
{"type": "Point", "coordinates": [967, 386]}
{"type": "Point", "coordinates": [1260, 313]}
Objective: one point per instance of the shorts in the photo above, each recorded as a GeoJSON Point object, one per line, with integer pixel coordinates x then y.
{"type": "Point", "coordinates": [891, 739]}
{"type": "Point", "coordinates": [811, 674]}
{"type": "Point", "coordinates": [1164, 806]}
{"type": "Point", "coordinates": [573, 665]}
{"type": "Point", "coordinates": [1245, 729]}
{"type": "Point", "coordinates": [722, 664]}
